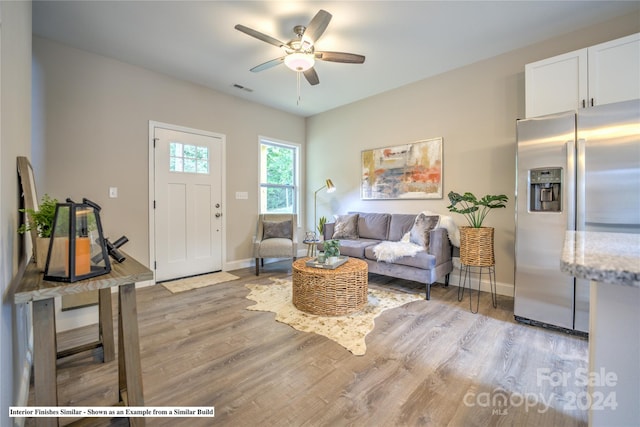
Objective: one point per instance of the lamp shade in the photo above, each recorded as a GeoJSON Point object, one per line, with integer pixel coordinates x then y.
{"type": "Point", "coordinates": [330, 187]}
{"type": "Point", "coordinates": [299, 61]}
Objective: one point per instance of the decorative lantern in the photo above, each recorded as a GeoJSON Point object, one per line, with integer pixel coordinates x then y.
{"type": "Point", "coordinates": [77, 249]}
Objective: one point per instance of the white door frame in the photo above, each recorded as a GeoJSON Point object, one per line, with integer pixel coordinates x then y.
{"type": "Point", "coordinates": [152, 189]}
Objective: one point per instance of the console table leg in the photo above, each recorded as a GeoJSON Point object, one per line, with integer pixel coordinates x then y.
{"type": "Point", "coordinates": [44, 364]}
{"type": "Point", "coordinates": [129, 366]}
{"type": "Point", "coordinates": [105, 315]}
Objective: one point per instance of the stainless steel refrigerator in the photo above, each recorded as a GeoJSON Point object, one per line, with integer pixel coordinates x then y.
{"type": "Point", "coordinates": [578, 170]}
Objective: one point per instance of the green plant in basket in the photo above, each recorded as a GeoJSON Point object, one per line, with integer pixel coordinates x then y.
{"type": "Point", "coordinates": [475, 210]}
{"type": "Point", "coordinates": [332, 248]}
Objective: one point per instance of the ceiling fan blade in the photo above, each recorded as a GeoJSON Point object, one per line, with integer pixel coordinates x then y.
{"type": "Point", "coordinates": [315, 28]}
{"type": "Point", "coordinates": [311, 76]}
{"type": "Point", "coordinates": [260, 36]}
{"type": "Point", "coordinates": [350, 58]}
{"type": "Point", "coordinates": [268, 64]}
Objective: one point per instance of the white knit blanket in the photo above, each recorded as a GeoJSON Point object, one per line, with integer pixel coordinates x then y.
{"type": "Point", "coordinates": [447, 223]}
{"type": "Point", "coordinates": [390, 251]}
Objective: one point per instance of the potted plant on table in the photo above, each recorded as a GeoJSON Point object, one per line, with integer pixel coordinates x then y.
{"type": "Point", "coordinates": [42, 221]}
{"type": "Point", "coordinates": [476, 241]}
{"type": "Point", "coordinates": [332, 250]}
{"type": "Point", "coordinates": [321, 222]}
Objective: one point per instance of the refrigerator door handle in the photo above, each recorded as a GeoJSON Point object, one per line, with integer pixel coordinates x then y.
{"type": "Point", "coordinates": [570, 184]}
{"type": "Point", "coordinates": [580, 192]}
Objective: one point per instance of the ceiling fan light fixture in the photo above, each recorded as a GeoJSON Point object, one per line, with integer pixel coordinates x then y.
{"type": "Point", "coordinates": [298, 61]}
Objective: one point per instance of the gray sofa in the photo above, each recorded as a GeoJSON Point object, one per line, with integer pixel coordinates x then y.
{"type": "Point", "coordinates": [373, 228]}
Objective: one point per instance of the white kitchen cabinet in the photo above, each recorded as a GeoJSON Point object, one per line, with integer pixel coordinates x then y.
{"type": "Point", "coordinates": [601, 74]}
{"type": "Point", "coordinates": [614, 71]}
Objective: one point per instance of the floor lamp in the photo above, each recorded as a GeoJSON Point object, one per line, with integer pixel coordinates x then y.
{"type": "Point", "coordinates": [330, 189]}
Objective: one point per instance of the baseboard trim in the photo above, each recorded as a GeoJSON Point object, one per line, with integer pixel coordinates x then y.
{"type": "Point", "coordinates": [251, 262]}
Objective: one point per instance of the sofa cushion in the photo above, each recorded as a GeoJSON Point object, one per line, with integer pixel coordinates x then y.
{"type": "Point", "coordinates": [373, 225]}
{"type": "Point", "coordinates": [346, 227]}
{"type": "Point", "coordinates": [422, 260]}
{"type": "Point", "coordinates": [399, 225]}
{"type": "Point", "coordinates": [276, 229]}
{"type": "Point", "coordinates": [356, 248]}
{"type": "Point", "coordinates": [423, 225]}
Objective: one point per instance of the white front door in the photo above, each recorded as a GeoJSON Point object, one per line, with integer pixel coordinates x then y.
{"type": "Point", "coordinates": [188, 203]}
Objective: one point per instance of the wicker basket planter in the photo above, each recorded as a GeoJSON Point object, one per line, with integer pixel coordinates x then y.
{"type": "Point", "coordinates": [476, 246]}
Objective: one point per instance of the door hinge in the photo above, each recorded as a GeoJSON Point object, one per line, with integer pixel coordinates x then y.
{"type": "Point", "coordinates": [154, 142]}
{"type": "Point", "coordinates": [154, 204]}
{"type": "Point", "coordinates": [155, 265]}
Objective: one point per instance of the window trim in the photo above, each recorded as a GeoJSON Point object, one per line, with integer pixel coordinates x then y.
{"type": "Point", "coordinates": [297, 149]}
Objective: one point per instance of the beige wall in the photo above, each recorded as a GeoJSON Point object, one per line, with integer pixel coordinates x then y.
{"type": "Point", "coordinates": [15, 135]}
{"type": "Point", "coordinates": [91, 118]}
{"type": "Point", "coordinates": [473, 108]}
{"type": "Point", "coordinates": [91, 121]}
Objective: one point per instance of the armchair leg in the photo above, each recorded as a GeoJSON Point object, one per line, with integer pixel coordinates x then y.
{"type": "Point", "coordinates": [428, 296]}
{"type": "Point", "coordinates": [257, 266]}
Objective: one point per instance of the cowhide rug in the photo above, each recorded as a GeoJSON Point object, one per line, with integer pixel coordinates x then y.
{"type": "Point", "coordinates": [348, 331]}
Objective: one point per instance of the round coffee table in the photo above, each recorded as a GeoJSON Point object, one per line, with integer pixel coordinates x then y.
{"type": "Point", "coordinates": [327, 292]}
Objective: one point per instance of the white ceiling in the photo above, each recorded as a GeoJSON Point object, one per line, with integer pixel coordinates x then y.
{"type": "Point", "coordinates": [403, 41]}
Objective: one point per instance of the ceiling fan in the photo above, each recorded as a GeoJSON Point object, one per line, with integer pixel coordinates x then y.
{"type": "Point", "coordinates": [300, 54]}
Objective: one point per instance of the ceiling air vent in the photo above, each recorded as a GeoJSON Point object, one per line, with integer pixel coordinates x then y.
{"type": "Point", "coordinates": [246, 89]}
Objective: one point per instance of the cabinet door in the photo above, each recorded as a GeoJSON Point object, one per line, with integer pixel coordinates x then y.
{"type": "Point", "coordinates": [614, 71]}
{"type": "Point", "coordinates": [556, 84]}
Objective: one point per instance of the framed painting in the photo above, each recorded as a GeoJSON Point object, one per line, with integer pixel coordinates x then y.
{"type": "Point", "coordinates": [409, 171]}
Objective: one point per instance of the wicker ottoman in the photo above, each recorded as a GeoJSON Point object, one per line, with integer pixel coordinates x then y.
{"type": "Point", "coordinates": [330, 292]}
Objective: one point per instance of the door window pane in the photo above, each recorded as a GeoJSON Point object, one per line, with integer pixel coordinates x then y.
{"type": "Point", "coordinates": [188, 158]}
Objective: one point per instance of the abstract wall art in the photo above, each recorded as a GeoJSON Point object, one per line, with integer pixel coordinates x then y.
{"type": "Point", "coordinates": [409, 171]}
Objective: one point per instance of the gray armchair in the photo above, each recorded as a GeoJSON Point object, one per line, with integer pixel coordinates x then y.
{"type": "Point", "coordinates": [275, 238]}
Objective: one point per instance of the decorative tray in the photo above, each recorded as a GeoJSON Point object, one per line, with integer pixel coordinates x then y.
{"type": "Point", "coordinates": [313, 262]}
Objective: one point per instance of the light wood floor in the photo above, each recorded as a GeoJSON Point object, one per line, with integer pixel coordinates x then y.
{"type": "Point", "coordinates": [427, 363]}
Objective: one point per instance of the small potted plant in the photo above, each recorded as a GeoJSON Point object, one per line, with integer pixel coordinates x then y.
{"type": "Point", "coordinates": [42, 221]}
{"type": "Point", "coordinates": [332, 250]}
{"type": "Point", "coordinates": [321, 222]}
{"type": "Point", "coordinates": [476, 241]}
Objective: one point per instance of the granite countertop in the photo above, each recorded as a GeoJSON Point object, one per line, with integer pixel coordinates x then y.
{"type": "Point", "coordinates": [602, 257]}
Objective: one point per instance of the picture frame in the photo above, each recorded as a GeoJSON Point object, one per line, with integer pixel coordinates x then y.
{"type": "Point", "coordinates": [408, 171]}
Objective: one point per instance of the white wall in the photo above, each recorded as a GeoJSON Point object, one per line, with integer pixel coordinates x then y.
{"type": "Point", "coordinates": [474, 108]}
{"type": "Point", "coordinates": [95, 123]}
{"type": "Point", "coordinates": [15, 124]}
{"type": "Point", "coordinates": [91, 132]}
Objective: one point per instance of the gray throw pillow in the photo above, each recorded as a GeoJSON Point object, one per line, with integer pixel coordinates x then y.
{"type": "Point", "coordinates": [419, 233]}
{"type": "Point", "coordinates": [346, 227]}
{"type": "Point", "coordinates": [274, 229]}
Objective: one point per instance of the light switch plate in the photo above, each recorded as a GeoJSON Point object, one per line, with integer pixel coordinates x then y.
{"type": "Point", "coordinates": [113, 192]}
{"type": "Point", "coordinates": [242, 195]}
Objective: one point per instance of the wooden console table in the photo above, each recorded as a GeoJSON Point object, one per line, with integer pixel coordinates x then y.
{"type": "Point", "coordinates": [41, 293]}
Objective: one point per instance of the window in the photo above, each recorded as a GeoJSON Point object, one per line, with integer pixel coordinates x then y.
{"type": "Point", "coordinates": [278, 177]}
{"type": "Point", "coordinates": [188, 158]}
